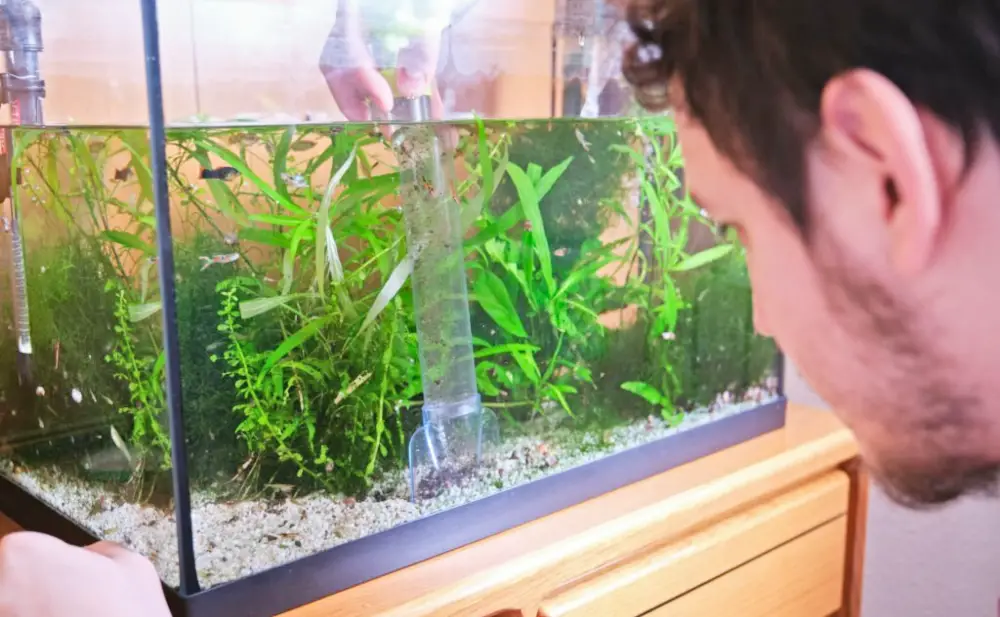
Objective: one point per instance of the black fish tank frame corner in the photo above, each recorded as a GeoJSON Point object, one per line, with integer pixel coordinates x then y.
{"type": "Point", "coordinates": [311, 578]}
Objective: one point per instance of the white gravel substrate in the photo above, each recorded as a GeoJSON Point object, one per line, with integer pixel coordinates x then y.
{"type": "Point", "coordinates": [236, 538]}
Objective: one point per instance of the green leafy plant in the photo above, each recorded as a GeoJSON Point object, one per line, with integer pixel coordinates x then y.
{"type": "Point", "coordinates": [299, 351]}
{"type": "Point", "coordinates": [144, 376]}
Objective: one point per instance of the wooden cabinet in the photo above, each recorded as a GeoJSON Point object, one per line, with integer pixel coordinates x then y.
{"type": "Point", "coordinates": [773, 527]}
{"type": "Point", "coordinates": [784, 557]}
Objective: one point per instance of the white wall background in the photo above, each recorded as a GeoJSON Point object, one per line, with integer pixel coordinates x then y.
{"type": "Point", "coordinates": [940, 564]}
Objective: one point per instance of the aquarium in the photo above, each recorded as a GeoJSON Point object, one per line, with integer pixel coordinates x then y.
{"type": "Point", "coordinates": [282, 354]}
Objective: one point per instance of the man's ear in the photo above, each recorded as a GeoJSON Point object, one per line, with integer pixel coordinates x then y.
{"type": "Point", "coordinates": [866, 118]}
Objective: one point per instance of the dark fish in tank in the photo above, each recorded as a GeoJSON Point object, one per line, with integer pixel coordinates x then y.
{"type": "Point", "coordinates": [123, 174]}
{"type": "Point", "coordinates": [219, 173]}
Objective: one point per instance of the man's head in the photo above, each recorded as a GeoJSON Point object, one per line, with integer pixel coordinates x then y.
{"type": "Point", "coordinates": [854, 147]}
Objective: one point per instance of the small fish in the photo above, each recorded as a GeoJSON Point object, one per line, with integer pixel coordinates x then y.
{"type": "Point", "coordinates": [302, 145]}
{"type": "Point", "coordinates": [123, 174]}
{"type": "Point", "coordinates": [294, 181]}
{"type": "Point", "coordinates": [6, 224]}
{"type": "Point", "coordinates": [39, 391]}
{"type": "Point", "coordinates": [668, 336]}
{"type": "Point", "coordinates": [77, 396]}
{"type": "Point", "coordinates": [219, 173]}
{"type": "Point", "coordinates": [56, 354]}
{"type": "Point", "coordinates": [583, 140]}
{"type": "Point", "coordinates": [231, 239]}
{"type": "Point", "coordinates": [120, 444]}
{"type": "Point", "coordinates": [227, 258]}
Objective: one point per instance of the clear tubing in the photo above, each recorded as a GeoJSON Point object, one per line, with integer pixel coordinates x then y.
{"type": "Point", "coordinates": [440, 294]}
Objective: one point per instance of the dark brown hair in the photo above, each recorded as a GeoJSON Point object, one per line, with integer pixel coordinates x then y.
{"type": "Point", "coordinates": [753, 71]}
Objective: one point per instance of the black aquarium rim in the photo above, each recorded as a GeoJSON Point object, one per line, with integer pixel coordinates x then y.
{"type": "Point", "coordinates": [165, 263]}
{"type": "Point", "coordinates": [294, 584]}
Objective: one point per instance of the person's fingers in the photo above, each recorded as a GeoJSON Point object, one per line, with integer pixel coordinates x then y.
{"type": "Point", "coordinates": [377, 89]}
{"type": "Point", "coordinates": [131, 561]}
{"type": "Point", "coordinates": [355, 90]}
{"type": "Point", "coordinates": [22, 543]}
{"type": "Point", "coordinates": [111, 550]}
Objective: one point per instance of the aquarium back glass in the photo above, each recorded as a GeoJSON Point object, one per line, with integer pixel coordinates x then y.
{"type": "Point", "coordinates": [384, 311]}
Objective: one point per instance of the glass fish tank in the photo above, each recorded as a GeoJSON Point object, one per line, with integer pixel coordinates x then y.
{"type": "Point", "coordinates": [282, 340]}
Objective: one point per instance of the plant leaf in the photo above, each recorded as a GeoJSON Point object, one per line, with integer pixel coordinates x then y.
{"type": "Point", "coordinates": [128, 240]}
{"type": "Point", "coordinates": [547, 181]}
{"type": "Point", "coordinates": [323, 233]}
{"type": "Point", "coordinates": [288, 262]}
{"type": "Point", "coordinates": [532, 211]}
{"type": "Point", "coordinates": [703, 258]}
{"type": "Point", "coordinates": [258, 306]}
{"type": "Point", "coordinates": [392, 286]}
{"type": "Point", "coordinates": [280, 161]}
{"type": "Point", "coordinates": [264, 236]}
{"type": "Point", "coordinates": [281, 220]}
{"type": "Point", "coordinates": [557, 393]}
{"type": "Point", "coordinates": [497, 350]}
{"type": "Point", "coordinates": [295, 340]}
{"type": "Point", "coordinates": [491, 294]}
{"type": "Point", "coordinates": [140, 312]}
{"type": "Point", "coordinates": [528, 365]}
{"type": "Point", "coordinates": [646, 391]}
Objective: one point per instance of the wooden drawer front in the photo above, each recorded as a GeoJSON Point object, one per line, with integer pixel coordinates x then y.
{"type": "Point", "coordinates": [803, 578]}
{"type": "Point", "coordinates": [654, 579]}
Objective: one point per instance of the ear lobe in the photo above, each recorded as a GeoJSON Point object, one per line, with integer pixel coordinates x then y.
{"type": "Point", "coordinates": [867, 118]}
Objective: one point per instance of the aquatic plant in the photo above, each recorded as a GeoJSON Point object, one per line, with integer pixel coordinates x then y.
{"type": "Point", "coordinates": [299, 358]}
{"type": "Point", "coordinates": [144, 376]}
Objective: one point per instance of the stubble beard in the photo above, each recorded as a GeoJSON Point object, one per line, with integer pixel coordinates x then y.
{"type": "Point", "coordinates": [927, 417]}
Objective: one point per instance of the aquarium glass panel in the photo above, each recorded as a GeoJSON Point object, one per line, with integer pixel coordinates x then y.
{"type": "Point", "coordinates": [383, 311]}
{"type": "Point", "coordinates": [83, 420]}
